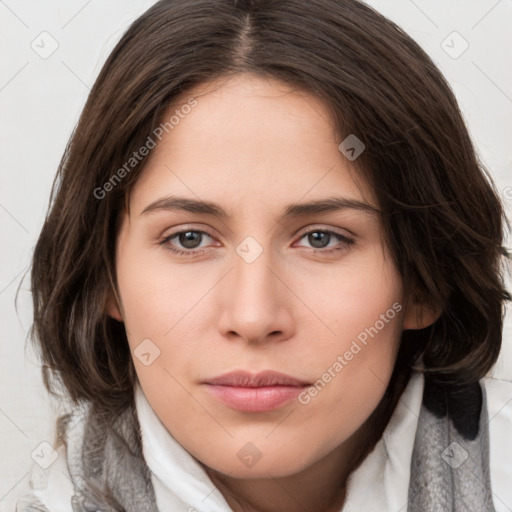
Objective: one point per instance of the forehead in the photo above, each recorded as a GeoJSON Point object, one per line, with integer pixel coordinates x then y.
{"type": "Point", "coordinates": [248, 142]}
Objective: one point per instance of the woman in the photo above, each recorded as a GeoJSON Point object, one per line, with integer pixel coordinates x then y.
{"type": "Point", "coordinates": [270, 278]}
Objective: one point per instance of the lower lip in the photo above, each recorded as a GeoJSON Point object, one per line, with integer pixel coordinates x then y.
{"type": "Point", "coordinates": [255, 399]}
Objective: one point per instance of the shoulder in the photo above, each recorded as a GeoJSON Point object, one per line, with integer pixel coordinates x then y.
{"type": "Point", "coordinates": [31, 503]}
{"type": "Point", "coordinates": [499, 401]}
{"type": "Point", "coordinates": [51, 487]}
{"type": "Point", "coordinates": [497, 384]}
{"type": "Point", "coordinates": [499, 408]}
{"type": "Point", "coordinates": [87, 449]}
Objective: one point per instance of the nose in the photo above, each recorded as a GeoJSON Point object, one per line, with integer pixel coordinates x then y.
{"type": "Point", "coordinates": [256, 304]}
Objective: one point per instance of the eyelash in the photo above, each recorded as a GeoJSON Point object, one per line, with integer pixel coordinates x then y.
{"type": "Point", "coordinates": [194, 252]}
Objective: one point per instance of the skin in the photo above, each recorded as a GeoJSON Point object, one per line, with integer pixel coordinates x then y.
{"type": "Point", "coordinates": [254, 146]}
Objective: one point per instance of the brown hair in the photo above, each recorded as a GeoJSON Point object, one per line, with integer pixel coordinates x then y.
{"type": "Point", "coordinates": [441, 215]}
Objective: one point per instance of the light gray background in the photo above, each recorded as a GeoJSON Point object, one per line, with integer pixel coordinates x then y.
{"type": "Point", "coordinates": [40, 101]}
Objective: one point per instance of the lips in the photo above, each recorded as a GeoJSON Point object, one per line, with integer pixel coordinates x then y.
{"type": "Point", "coordinates": [259, 392]}
{"type": "Point", "coordinates": [259, 380]}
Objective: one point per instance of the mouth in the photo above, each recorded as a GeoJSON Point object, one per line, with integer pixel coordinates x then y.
{"type": "Point", "coordinates": [247, 392]}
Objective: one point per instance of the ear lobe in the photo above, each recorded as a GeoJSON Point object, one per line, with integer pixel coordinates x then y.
{"type": "Point", "coordinates": [419, 315]}
{"type": "Point", "coordinates": [112, 309]}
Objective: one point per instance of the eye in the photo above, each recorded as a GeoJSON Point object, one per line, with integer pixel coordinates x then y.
{"type": "Point", "coordinates": [322, 238]}
{"type": "Point", "coordinates": [189, 239]}
{"type": "Point", "coordinates": [187, 242]}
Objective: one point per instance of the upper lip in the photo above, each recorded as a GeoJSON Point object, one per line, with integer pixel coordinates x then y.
{"type": "Point", "coordinates": [247, 379]}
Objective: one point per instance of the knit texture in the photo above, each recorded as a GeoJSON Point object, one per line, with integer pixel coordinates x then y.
{"type": "Point", "coordinates": [450, 459]}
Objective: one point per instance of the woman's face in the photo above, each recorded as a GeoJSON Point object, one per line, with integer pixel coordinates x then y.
{"type": "Point", "coordinates": [269, 285]}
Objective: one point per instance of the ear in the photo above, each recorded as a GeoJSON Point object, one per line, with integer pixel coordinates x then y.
{"type": "Point", "coordinates": [112, 308]}
{"type": "Point", "coordinates": [419, 315]}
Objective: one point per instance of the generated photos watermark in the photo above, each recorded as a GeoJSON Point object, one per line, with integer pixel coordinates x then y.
{"type": "Point", "coordinates": [144, 150]}
{"type": "Point", "coordinates": [342, 360]}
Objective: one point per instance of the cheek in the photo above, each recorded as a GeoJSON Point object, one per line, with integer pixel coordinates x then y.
{"type": "Point", "coordinates": [158, 307]}
{"type": "Point", "coordinates": [354, 358]}
{"type": "Point", "coordinates": [154, 297]}
{"type": "Point", "coordinates": [353, 296]}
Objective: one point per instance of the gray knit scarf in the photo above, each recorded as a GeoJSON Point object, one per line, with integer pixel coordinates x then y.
{"type": "Point", "coordinates": [449, 467]}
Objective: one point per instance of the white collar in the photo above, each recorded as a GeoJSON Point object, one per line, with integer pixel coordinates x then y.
{"type": "Point", "coordinates": [178, 479]}
{"type": "Point", "coordinates": [380, 483]}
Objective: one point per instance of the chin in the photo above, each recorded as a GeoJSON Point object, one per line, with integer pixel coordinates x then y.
{"type": "Point", "coordinates": [248, 462]}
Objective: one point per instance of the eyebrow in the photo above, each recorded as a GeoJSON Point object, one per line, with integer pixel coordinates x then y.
{"type": "Point", "coordinates": [330, 204]}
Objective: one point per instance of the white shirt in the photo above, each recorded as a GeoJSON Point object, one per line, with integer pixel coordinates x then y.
{"type": "Point", "coordinates": [379, 484]}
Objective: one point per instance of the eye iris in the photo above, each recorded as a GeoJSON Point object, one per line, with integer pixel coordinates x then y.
{"type": "Point", "coordinates": [192, 239]}
{"type": "Point", "coordinates": [316, 236]}
{"type": "Point", "coordinates": [189, 239]}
